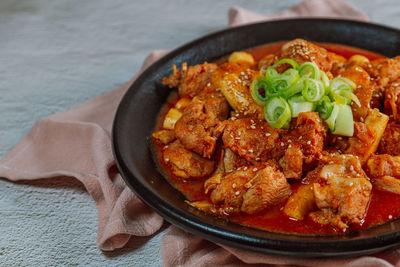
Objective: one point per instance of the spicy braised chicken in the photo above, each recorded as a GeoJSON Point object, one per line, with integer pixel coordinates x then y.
{"type": "Point", "coordinates": [299, 136]}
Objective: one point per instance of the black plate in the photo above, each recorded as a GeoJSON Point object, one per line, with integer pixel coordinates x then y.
{"type": "Point", "coordinates": [136, 117]}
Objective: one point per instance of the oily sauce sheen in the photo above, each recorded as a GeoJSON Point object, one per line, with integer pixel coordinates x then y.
{"type": "Point", "coordinates": [383, 206]}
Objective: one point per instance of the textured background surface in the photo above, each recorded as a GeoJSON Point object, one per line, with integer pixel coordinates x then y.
{"type": "Point", "coordinates": [57, 54]}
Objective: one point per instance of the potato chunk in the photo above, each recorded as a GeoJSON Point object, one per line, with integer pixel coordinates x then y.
{"type": "Point", "coordinates": [300, 203]}
{"type": "Point", "coordinates": [241, 58]}
{"type": "Point", "coordinates": [367, 136]}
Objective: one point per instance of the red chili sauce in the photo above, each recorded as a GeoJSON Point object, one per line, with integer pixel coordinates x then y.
{"type": "Point", "coordinates": [383, 206]}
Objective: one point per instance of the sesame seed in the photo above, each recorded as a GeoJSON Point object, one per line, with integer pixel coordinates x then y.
{"type": "Point", "coordinates": [255, 169]}
{"type": "Point", "coordinates": [267, 134]}
{"type": "Point", "coordinates": [251, 150]}
{"type": "Point", "coordinates": [252, 127]}
{"type": "Point", "coordinates": [208, 84]}
{"type": "Point", "coordinates": [308, 142]}
{"type": "Point", "coordinates": [351, 184]}
{"type": "Point", "coordinates": [233, 185]}
{"type": "Point", "coordinates": [361, 119]}
{"type": "Point", "coordinates": [390, 217]}
{"type": "Point", "coordinates": [245, 168]}
{"type": "Point", "coordinates": [167, 159]}
{"type": "Point", "coordinates": [282, 144]}
{"type": "Point", "coordinates": [257, 159]}
{"type": "Point", "coordinates": [252, 121]}
{"type": "Point", "coordinates": [237, 193]}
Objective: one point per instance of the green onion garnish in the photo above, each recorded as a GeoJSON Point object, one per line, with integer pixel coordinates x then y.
{"type": "Point", "coordinates": [298, 104]}
{"type": "Point", "coordinates": [301, 89]}
{"type": "Point", "coordinates": [277, 112]}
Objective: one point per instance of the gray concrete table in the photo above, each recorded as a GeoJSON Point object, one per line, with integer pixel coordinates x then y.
{"type": "Point", "coordinates": [57, 54]}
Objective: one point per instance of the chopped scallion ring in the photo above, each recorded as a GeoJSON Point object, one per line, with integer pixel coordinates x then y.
{"type": "Point", "coordinates": [310, 70]}
{"type": "Point", "coordinates": [277, 112]}
{"type": "Point", "coordinates": [331, 120]}
{"type": "Point", "coordinates": [313, 90]}
{"type": "Point", "coordinates": [325, 108]}
{"type": "Point", "coordinates": [255, 87]}
{"type": "Point", "coordinates": [287, 61]}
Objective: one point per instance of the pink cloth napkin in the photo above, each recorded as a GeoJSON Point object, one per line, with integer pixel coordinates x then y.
{"type": "Point", "coordinates": [76, 143]}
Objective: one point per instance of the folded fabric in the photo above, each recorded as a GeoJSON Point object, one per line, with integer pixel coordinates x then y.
{"type": "Point", "coordinates": [77, 143]}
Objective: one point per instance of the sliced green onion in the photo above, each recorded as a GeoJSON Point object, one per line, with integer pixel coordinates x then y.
{"type": "Point", "coordinates": [352, 97]}
{"type": "Point", "coordinates": [287, 61]}
{"type": "Point", "coordinates": [277, 112]}
{"type": "Point", "coordinates": [325, 108]}
{"type": "Point", "coordinates": [298, 104]}
{"type": "Point", "coordinates": [339, 98]}
{"type": "Point", "coordinates": [325, 81]}
{"type": "Point", "coordinates": [294, 89]}
{"type": "Point", "coordinates": [286, 80]}
{"type": "Point", "coordinates": [304, 88]}
{"type": "Point", "coordinates": [313, 90]}
{"type": "Point", "coordinates": [271, 74]}
{"type": "Point", "coordinates": [309, 70]}
{"type": "Point", "coordinates": [344, 121]}
{"type": "Point", "coordinates": [341, 83]}
{"type": "Point", "coordinates": [331, 120]}
{"type": "Point", "coordinates": [255, 87]}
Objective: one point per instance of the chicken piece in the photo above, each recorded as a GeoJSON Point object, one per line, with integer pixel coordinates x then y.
{"type": "Point", "coordinates": [385, 172]}
{"type": "Point", "coordinates": [336, 182]}
{"type": "Point", "coordinates": [390, 141]}
{"type": "Point", "coordinates": [292, 162]}
{"type": "Point", "coordinates": [387, 184]}
{"type": "Point", "coordinates": [253, 140]}
{"type": "Point", "coordinates": [345, 197]}
{"type": "Point", "coordinates": [186, 164]}
{"type": "Point", "coordinates": [384, 165]}
{"type": "Point", "coordinates": [362, 139]}
{"type": "Point", "coordinates": [342, 166]}
{"type": "Point", "coordinates": [310, 134]}
{"type": "Point", "coordinates": [302, 51]}
{"type": "Point", "coordinates": [300, 203]}
{"type": "Point", "coordinates": [367, 136]}
{"type": "Point", "coordinates": [267, 61]}
{"type": "Point", "coordinates": [392, 100]}
{"type": "Point", "coordinates": [363, 90]}
{"type": "Point", "coordinates": [250, 189]}
{"type": "Point", "coordinates": [385, 70]}
{"type": "Point", "coordinates": [233, 80]}
{"type": "Point", "coordinates": [269, 187]}
{"type": "Point", "coordinates": [228, 190]}
{"type": "Point", "coordinates": [214, 102]}
{"type": "Point", "coordinates": [197, 130]}
{"type": "Point", "coordinates": [190, 80]}
{"type": "Point", "coordinates": [164, 136]}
